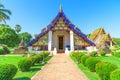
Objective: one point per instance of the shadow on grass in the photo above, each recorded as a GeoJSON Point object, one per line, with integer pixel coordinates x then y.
{"type": "Point", "coordinates": [35, 69]}
{"type": "Point", "coordinates": [22, 78]}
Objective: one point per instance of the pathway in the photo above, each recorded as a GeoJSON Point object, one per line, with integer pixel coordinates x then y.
{"type": "Point", "coordinates": [60, 67]}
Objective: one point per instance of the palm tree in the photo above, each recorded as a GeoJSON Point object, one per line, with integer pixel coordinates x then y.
{"type": "Point", "coordinates": [17, 28]}
{"type": "Point", "coordinates": [4, 13]}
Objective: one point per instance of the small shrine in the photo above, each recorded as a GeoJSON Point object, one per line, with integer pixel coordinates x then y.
{"type": "Point", "coordinates": [22, 49]}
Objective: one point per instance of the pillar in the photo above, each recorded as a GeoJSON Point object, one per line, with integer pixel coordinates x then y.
{"type": "Point", "coordinates": [71, 40]}
{"type": "Point", "coordinates": [110, 43]}
{"type": "Point", "coordinates": [49, 40]}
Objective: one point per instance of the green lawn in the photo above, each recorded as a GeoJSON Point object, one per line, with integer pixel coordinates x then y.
{"type": "Point", "coordinates": [93, 75]}
{"type": "Point", "coordinates": [21, 75]}
{"type": "Point", "coordinates": [90, 75]}
{"type": "Point", "coordinates": [112, 59]}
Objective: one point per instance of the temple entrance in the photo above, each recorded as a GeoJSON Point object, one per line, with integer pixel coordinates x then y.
{"type": "Point", "coordinates": [60, 44]}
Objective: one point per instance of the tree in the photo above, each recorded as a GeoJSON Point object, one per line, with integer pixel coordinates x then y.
{"type": "Point", "coordinates": [8, 36]}
{"type": "Point", "coordinates": [35, 35]}
{"type": "Point", "coordinates": [117, 40]}
{"type": "Point", "coordinates": [4, 14]}
{"type": "Point", "coordinates": [17, 28]}
{"type": "Point", "coordinates": [26, 36]}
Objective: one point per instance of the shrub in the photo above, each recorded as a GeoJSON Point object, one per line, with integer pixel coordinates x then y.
{"type": "Point", "coordinates": [79, 55]}
{"type": "Point", "coordinates": [24, 64]}
{"type": "Point", "coordinates": [33, 60]}
{"type": "Point", "coordinates": [115, 75]}
{"type": "Point", "coordinates": [5, 48]}
{"type": "Point", "coordinates": [94, 53]}
{"type": "Point", "coordinates": [91, 63]}
{"type": "Point", "coordinates": [102, 53]}
{"type": "Point", "coordinates": [7, 71]}
{"type": "Point", "coordinates": [39, 57]}
{"type": "Point", "coordinates": [31, 53]}
{"type": "Point", "coordinates": [83, 59]}
{"type": "Point", "coordinates": [74, 54]}
{"type": "Point", "coordinates": [117, 53]}
{"type": "Point", "coordinates": [103, 69]}
{"type": "Point", "coordinates": [112, 53]}
{"type": "Point", "coordinates": [45, 54]}
{"type": "Point", "coordinates": [1, 50]}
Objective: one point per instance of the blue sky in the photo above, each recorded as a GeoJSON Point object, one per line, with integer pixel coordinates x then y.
{"type": "Point", "coordinates": [88, 15]}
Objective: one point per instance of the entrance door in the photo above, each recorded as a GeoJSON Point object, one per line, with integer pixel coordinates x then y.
{"type": "Point", "coordinates": [61, 43]}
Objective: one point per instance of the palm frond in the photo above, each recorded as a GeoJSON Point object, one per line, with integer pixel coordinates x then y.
{"type": "Point", "coordinates": [5, 16]}
{"type": "Point", "coordinates": [2, 6]}
{"type": "Point", "coordinates": [6, 11]}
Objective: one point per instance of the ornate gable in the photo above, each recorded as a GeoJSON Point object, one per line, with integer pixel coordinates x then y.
{"type": "Point", "coordinates": [61, 22]}
{"type": "Point", "coordinates": [60, 25]}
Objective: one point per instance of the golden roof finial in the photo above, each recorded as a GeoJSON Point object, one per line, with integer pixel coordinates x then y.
{"type": "Point", "coordinates": [60, 8]}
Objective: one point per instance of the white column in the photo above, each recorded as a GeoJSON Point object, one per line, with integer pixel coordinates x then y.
{"type": "Point", "coordinates": [71, 40]}
{"type": "Point", "coordinates": [49, 40]}
{"type": "Point", "coordinates": [110, 43]}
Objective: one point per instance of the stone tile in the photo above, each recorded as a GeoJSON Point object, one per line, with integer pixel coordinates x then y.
{"type": "Point", "coordinates": [60, 67]}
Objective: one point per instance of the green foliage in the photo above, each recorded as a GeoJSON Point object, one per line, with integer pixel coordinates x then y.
{"type": "Point", "coordinates": [78, 55]}
{"type": "Point", "coordinates": [33, 60]}
{"type": "Point", "coordinates": [6, 49]}
{"type": "Point", "coordinates": [17, 28]}
{"type": "Point", "coordinates": [1, 50]}
{"type": "Point", "coordinates": [102, 53]}
{"type": "Point", "coordinates": [4, 13]}
{"type": "Point", "coordinates": [116, 53]}
{"type": "Point", "coordinates": [112, 53]}
{"type": "Point", "coordinates": [8, 36]}
{"type": "Point", "coordinates": [7, 71]}
{"type": "Point", "coordinates": [89, 74]}
{"type": "Point", "coordinates": [114, 48]}
{"type": "Point", "coordinates": [103, 69]}
{"type": "Point", "coordinates": [40, 57]}
{"type": "Point", "coordinates": [83, 59]}
{"type": "Point", "coordinates": [73, 53]}
{"type": "Point", "coordinates": [91, 63]}
{"type": "Point", "coordinates": [117, 40]}
{"type": "Point", "coordinates": [31, 53]}
{"type": "Point", "coordinates": [26, 36]}
{"type": "Point", "coordinates": [94, 53]}
{"type": "Point", "coordinates": [115, 75]}
{"type": "Point", "coordinates": [24, 65]}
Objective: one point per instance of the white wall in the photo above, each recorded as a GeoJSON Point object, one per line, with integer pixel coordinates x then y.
{"type": "Point", "coordinates": [55, 38]}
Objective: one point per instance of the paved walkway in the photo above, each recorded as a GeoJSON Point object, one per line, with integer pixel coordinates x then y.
{"type": "Point", "coordinates": [60, 67]}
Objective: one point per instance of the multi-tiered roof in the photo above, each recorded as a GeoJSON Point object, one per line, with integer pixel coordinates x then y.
{"type": "Point", "coordinates": [100, 37]}
{"type": "Point", "coordinates": [69, 25]}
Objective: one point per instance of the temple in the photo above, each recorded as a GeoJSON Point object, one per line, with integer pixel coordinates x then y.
{"type": "Point", "coordinates": [60, 36]}
{"type": "Point", "coordinates": [101, 39]}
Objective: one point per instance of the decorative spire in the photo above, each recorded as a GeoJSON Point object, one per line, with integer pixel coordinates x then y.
{"type": "Point", "coordinates": [22, 43]}
{"type": "Point", "coordinates": [60, 8]}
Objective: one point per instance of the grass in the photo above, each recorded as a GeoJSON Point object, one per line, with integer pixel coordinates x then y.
{"type": "Point", "coordinates": [21, 75]}
{"type": "Point", "coordinates": [93, 75]}
{"type": "Point", "coordinates": [90, 75]}
{"type": "Point", "coordinates": [112, 59]}
{"type": "Point", "coordinates": [10, 59]}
